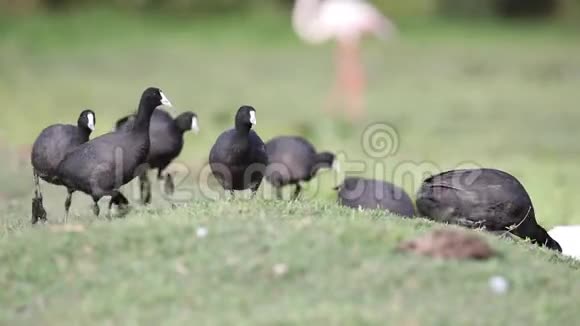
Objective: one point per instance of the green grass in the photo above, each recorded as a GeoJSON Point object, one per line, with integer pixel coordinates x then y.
{"type": "Point", "coordinates": [341, 268]}
{"type": "Point", "coordinates": [503, 96]}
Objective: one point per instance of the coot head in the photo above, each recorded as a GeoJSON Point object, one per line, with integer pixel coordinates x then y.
{"type": "Point", "coordinates": [87, 120]}
{"type": "Point", "coordinates": [152, 98]}
{"type": "Point", "coordinates": [552, 244]}
{"type": "Point", "coordinates": [245, 118]}
{"type": "Point", "coordinates": [187, 121]}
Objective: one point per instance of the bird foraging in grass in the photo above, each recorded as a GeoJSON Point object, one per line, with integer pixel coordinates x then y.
{"type": "Point", "coordinates": [482, 198]}
{"type": "Point", "coordinates": [375, 194]}
{"type": "Point", "coordinates": [346, 22]}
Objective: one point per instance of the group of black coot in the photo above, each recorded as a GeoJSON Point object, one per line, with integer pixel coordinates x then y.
{"type": "Point", "coordinates": [239, 160]}
{"type": "Point", "coordinates": [64, 155]}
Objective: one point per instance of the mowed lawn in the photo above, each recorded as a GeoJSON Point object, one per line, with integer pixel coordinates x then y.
{"type": "Point", "coordinates": [452, 94]}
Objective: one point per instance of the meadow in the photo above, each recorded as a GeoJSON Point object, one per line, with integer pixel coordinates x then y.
{"type": "Point", "coordinates": [453, 94]}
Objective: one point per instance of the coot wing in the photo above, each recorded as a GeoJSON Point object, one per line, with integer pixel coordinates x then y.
{"type": "Point", "coordinates": [52, 145]}
{"type": "Point", "coordinates": [291, 157]}
{"type": "Point", "coordinates": [103, 164]}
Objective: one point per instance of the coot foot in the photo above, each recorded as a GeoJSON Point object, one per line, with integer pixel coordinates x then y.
{"type": "Point", "coordinates": [279, 193]}
{"type": "Point", "coordinates": [122, 203]}
{"type": "Point", "coordinates": [38, 212]}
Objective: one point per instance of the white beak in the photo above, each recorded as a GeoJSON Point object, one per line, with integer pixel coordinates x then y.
{"type": "Point", "coordinates": [91, 121]}
{"type": "Point", "coordinates": [336, 165]}
{"type": "Point", "coordinates": [194, 125]}
{"type": "Point", "coordinates": [165, 101]}
{"type": "Point", "coordinates": [253, 118]}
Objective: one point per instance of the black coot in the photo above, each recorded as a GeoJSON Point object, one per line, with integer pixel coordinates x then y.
{"type": "Point", "coordinates": [482, 198]}
{"type": "Point", "coordinates": [292, 160]}
{"type": "Point", "coordinates": [49, 149]}
{"type": "Point", "coordinates": [375, 194]}
{"type": "Point", "coordinates": [166, 136]}
{"type": "Point", "coordinates": [238, 157]}
{"type": "Point", "coordinates": [101, 166]}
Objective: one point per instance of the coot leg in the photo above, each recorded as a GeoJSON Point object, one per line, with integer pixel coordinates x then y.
{"type": "Point", "coordinates": [169, 185]}
{"type": "Point", "coordinates": [96, 208]}
{"type": "Point", "coordinates": [38, 211]}
{"type": "Point", "coordinates": [67, 204]}
{"type": "Point", "coordinates": [145, 185]}
{"type": "Point", "coordinates": [297, 191]}
{"type": "Point", "coordinates": [279, 193]}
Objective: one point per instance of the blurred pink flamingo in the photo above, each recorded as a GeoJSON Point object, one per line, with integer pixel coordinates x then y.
{"type": "Point", "coordinates": [347, 22]}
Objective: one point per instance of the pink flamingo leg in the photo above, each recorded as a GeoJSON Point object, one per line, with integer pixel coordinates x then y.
{"type": "Point", "coordinates": [355, 101]}
{"type": "Point", "coordinates": [333, 103]}
{"type": "Point", "coordinates": [351, 79]}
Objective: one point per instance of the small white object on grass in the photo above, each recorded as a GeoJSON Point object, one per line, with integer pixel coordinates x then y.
{"type": "Point", "coordinates": [499, 284]}
{"type": "Point", "coordinates": [568, 236]}
{"type": "Point", "coordinates": [201, 232]}
{"type": "Point", "coordinates": [280, 269]}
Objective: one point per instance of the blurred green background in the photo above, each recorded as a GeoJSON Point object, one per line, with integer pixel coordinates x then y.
{"type": "Point", "coordinates": [397, 9]}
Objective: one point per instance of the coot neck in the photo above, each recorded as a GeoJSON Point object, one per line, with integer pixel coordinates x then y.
{"type": "Point", "coordinates": [241, 140]}
{"type": "Point", "coordinates": [321, 160]}
{"type": "Point", "coordinates": [243, 129]}
{"type": "Point", "coordinates": [84, 132]}
{"type": "Point", "coordinates": [143, 118]}
{"type": "Point", "coordinates": [178, 129]}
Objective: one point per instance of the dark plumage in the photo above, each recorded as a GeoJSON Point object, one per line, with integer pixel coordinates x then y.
{"type": "Point", "coordinates": [49, 149]}
{"type": "Point", "coordinates": [238, 157]}
{"type": "Point", "coordinates": [482, 198]}
{"type": "Point", "coordinates": [101, 166]}
{"type": "Point", "coordinates": [292, 160]}
{"type": "Point", "coordinates": [166, 137]}
{"type": "Point", "coordinates": [375, 194]}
